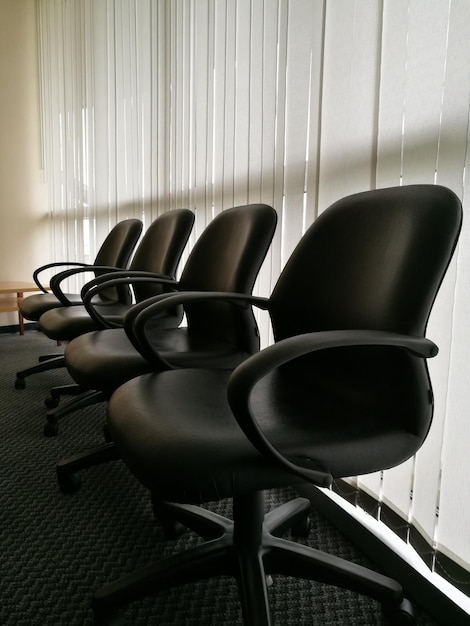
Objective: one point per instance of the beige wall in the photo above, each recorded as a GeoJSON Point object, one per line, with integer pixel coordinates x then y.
{"type": "Point", "coordinates": [24, 240]}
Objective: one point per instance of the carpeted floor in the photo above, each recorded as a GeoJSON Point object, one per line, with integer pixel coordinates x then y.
{"type": "Point", "coordinates": [56, 549]}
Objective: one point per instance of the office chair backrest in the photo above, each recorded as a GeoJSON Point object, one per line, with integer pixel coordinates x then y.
{"type": "Point", "coordinates": [161, 248]}
{"type": "Point", "coordinates": [116, 251]}
{"type": "Point", "coordinates": [372, 261]}
{"type": "Point", "coordinates": [227, 257]}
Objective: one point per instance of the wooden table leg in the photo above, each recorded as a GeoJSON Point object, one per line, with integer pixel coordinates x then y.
{"type": "Point", "coordinates": [19, 298]}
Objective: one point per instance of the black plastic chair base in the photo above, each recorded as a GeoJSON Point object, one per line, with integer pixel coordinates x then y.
{"type": "Point", "coordinates": [45, 364]}
{"type": "Point", "coordinates": [89, 398]}
{"type": "Point", "coordinates": [68, 468]}
{"type": "Point", "coordinates": [56, 393]}
{"type": "Point", "coordinates": [251, 550]}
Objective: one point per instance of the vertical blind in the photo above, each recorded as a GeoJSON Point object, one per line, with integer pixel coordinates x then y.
{"type": "Point", "coordinates": [149, 105]}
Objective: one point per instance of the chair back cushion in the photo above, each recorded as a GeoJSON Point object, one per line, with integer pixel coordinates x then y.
{"type": "Point", "coordinates": [116, 251]}
{"type": "Point", "coordinates": [373, 260]}
{"type": "Point", "coordinates": [161, 248]}
{"type": "Point", "coordinates": [227, 257]}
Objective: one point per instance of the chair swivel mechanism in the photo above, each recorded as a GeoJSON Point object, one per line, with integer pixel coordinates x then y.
{"type": "Point", "coordinates": [343, 390]}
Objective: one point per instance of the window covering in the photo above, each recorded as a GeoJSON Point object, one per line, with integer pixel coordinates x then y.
{"type": "Point", "coordinates": [149, 105]}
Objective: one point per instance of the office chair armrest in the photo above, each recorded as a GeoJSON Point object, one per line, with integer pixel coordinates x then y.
{"type": "Point", "coordinates": [61, 276]}
{"type": "Point", "coordinates": [256, 367]}
{"type": "Point", "coordinates": [116, 279]}
{"type": "Point", "coordinates": [48, 266]}
{"type": "Point", "coordinates": [98, 282]}
{"type": "Point", "coordinates": [138, 317]}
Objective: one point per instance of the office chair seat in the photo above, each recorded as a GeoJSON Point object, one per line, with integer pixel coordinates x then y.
{"type": "Point", "coordinates": [70, 322]}
{"type": "Point", "coordinates": [343, 390]}
{"type": "Point", "coordinates": [153, 421]}
{"type": "Point", "coordinates": [34, 306]}
{"type": "Point", "coordinates": [115, 358]}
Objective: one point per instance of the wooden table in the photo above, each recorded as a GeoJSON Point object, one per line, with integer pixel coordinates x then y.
{"type": "Point", "coordinates": [11, 294]}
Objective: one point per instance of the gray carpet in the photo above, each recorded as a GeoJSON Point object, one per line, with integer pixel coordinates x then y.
{"type": "Point", "coordinates": [56, 549]}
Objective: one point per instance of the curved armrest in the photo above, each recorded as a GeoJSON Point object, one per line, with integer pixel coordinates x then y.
{"type": "Point", "coordinates": [246, 375]}
{"type": "Point", "coordinates": [138, 317]}
{"type": "Point", "coordinates": [115, 279]}
{"type": "Point", "coordinates": [61, 276]}
{"type": "Point", "coordinates": [100, 283]}
{"type": "Point", "coordinates": [48, 266]}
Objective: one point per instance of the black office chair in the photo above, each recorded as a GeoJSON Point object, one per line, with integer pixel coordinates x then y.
{"type": "Point", "coordinates": [226, 257]}
{"type": "Point", "coordinates": [115, 251]}
{"type": "Point", "coordinates": [158, 253]}
{"type": "Point", "coordinates": [344, 390]}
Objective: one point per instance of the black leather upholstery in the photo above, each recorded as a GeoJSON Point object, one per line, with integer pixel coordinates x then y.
{"type": "Point", "coordinates": [159, 252]}
{"type": "Point", "coordinates": [227, 257]}
{"type": "Point", "coordinates": [344, 390]}
{"type": "Point", "coordinates": [115, 251]}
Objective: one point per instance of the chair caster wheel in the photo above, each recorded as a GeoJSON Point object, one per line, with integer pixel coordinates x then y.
{"type": "Point", "coordinates": [301, 528]}
{"type": "Point", "coordinates": [51, 402]}
{"type": "Point", "coordinates": [20, 383]}
{"type": "Point", "coordinates": [113, 619]}
{"type": "Point", "coordinates": [50, 429]}
{"type": "Point", "coordinates": [401, 615]}
{"type": "Point", "coordinates": [171, 528]}
{"type": "Point", "coordinates": [107, 434]}
{"type": "Point", "coordinates": [68, 483]}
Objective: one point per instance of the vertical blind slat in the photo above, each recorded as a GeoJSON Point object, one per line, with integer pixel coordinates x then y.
{"type": "Point", "coordinates": [302, 31]}
{"type": "Point", "coordinates": [348, 123]}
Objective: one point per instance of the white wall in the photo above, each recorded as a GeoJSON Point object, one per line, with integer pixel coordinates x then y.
{"type": "Point", "coordinates": [24, 239]}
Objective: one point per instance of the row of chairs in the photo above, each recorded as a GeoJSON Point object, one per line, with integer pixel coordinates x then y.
{"type": "Point", "coordinates": [227, 257]}
{"type": "Point", "coordinates": [199, 413]}
{"type": "Point", "coordinates": [159, 253]}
